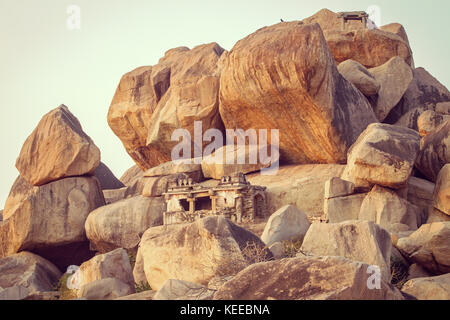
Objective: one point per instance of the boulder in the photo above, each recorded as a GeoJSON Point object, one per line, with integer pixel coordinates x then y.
{"type": "Point", "coordinates": [434, 151]}
{"type": "Point", "coordinates": [384, 207]}
{"type": "Point", "coordinates": [307, 278]}
{"type": "Point", "coordinates": [384, 154]}
{"type": "Point", "coordinates": [301, 186]}
{"type": "Point", "coordinates": [286, 75]}
{"type": "Point", "coordinates": [107, 179]}
{"type": "Point", "coordinates": [151, 102]}
{"type": "Point", "coordinates": [429, 120]}
{"type": "Point", "coordinates": [49, 220]}
{"type": "Point", "coordinates": [356, 240]}
{"type": "Point", "coordinates": [197, 251]}
{"type": "Point", "coordinates": [286, 224]}
{"type": "Point", "coordinates": [429, 288]}
{"type": "Point", "coordinates": [344, 208]}
{"type": "Point", "coordinates": [435, 215]}
{"type": "Point", "coordinates": [429, 247]}
{"type": "Point", "coordinates": [121, 224]}
{"type": "Point", "coordinates": [105, 289]}
{"type": "Point", "coordinates": [394, 78]}
{"type": "Point", "coordinates": [183, 290]}
{"type": "Point", "coordinates": [144, 295]}
{"type": "Point", "coordinates": [114, 195]}
{"type": "Point", "coordinates": [441, 195]}
{"type": "Point", "coordinates": [29, 271]}
{"type": "Point", "coordinates": [336, 187]}
{"type": "Point", "coordinates": [420, 193]}
{"type": "Point", "coordinates": [371, 48]}
{"type": "Point", "coordinates": [114, 264]}
{"type": "Point", "coordinates": [396, 28]}
{"type": "Point", "coordinates": [416, 271]}
{"type": "Point", "coordinates": [357, 74]}
{"type": "Point", "coordinates": [443, 108]}
{"type": "Point", "coordinates": [57, 148]}
{"type": "Point", "coordinates": [230, 164]}
{"type": "Point", "coordinates": [173, 167]}
{"type": "Point", "coordinates": [130, 176]}
{"type": "Point", "coordinates": [423, 93]}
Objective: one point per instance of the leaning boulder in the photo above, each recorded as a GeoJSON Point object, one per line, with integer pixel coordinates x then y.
{"type": "Point", "coordinates": [356, 240]}
{"type": "Point", "coordinates": [307, 278]}
{"type": "Point", "coordinates": [121, 224]}
{"type": "Point", "coordinates": [286, 224]}
{"type": "Point", "coordinates": [196, 252]}
{"type": "Point", "coordinates": [284, 77]}
{"type": "Point", "coordinates": [429, 247]}
{"type": "Point", "coordinates": [49, 220]}
{"type": "Point", "coordinates": [384, 155]}
{"type": "Point", "coordinates": [28, 270]}
{"type": "Point", "coordinates": [56, 149]}
{"type": "Point", "coordinates": [434, 151]}
{"type": "Point", "coordinates": [357, 74]}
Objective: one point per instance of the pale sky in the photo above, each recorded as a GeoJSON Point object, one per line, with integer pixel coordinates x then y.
{"type": "Point", "coordinates": [44, 64]}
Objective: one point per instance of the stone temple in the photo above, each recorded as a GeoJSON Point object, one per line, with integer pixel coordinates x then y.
{"type": "Point", "coordinates": [233, 197]}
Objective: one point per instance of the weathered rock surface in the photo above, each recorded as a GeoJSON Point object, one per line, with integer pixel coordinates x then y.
{"type": "Point", "coordinates": [183, 290]}
{"type": "Point", "coordinates": [429, 247]}
{"type": "Point", "coordinates": [429, 120]}
{"type": "Point", "coordinates": [357, 74]}
{"type": "Point", "coordinates": [114, 264]}
{"type": "Point", "coordinates": [121, 224]}
{"type": "Point", "coordinates": [441, 195]}
{"type": "Point", "coordinates": [416, 271]}
{"type": "Point", "coordinates": [434, 151]}
{"type": "Point", "coordinates": [423, 93]}
{"type": "Point", "coordinates": [430, 288]}
{"type": "Point", "coordinates": [107, 179]}
{"type": "Point", "coordinates": [384, 207]}
{"type": "Point", "coordinates": [286, 224]}
{"type": "Point", "coordinates": [356, 240]}
{"type": "Point", "coordinates": [130, 176]}
{"type": "Point", "coordinates": [49, 220]}
{"type": "Point", "coordinates": [172, 167]}
{"type": "Point", "coordinates": [105, 289]}
{"type": "Point", "coordinates": [56, 149]}
{"type": "Point", "coordinates": [194, 252]}
{"type": "Point", "coordinates": [151, 102]}
{"type": "Point", "coordinates": [443, 108]}
{"type": "Point", "coordinates": [114, 195]}
{"type": "Point", "coordinates": [308, 278]}
{"type": "Point", "coordinates": [301, 186]}
{"type": "Point", "coordinates": [29, 271]}
{"type": "Point", "coordinates": [383, 155]}
{"type": "Point", "coordinates": [144, 295]}
{"type": "Point", "coordinates": [394, 78]}
{"type": "Point", "coordinates": [435, 215]}
{"type": "Point", "coordinates": [344, 208]}
{"type": "Point", "coordinates": [14, 293]}
{"type": "Point", "coordinates": [286, 75]}
{"type": "Point", "coordinates": [420, 193]}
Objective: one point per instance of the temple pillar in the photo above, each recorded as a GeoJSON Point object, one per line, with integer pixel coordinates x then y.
{"type": "Point", "coordinates": [191, 204]}
{"type": "Point", "coordinates": [239, 208]}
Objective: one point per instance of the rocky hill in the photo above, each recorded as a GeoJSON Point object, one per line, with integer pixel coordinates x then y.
{"type": "Point", "coordinates": [358, 209]}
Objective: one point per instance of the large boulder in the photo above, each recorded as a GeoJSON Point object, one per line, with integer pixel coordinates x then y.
{"type": "Point", "coordinates": [114, 264]}
{"type": "Point", "coordinates": [423, 93]}
{"type": "Point", "coordinates": [344, 208]}
{"type": "Point", "coordinates": [173, 167]}
{"type": "Point", "coordinates": [151, 102]}
{"type": "Point", "coordinates": [394, 78]}
{"type": "Point", "coordinates": [195, 252]}
{"type": "Point", "coordinates": [441, 195]}
{"type": "Point", "coordinates": [287, 223]}
{"type": "Point", "coordinates": [429, 288]}
{"type": "Point", "coordinates": [371, 48]}
{"type": "Point", "coordinates": [386, 208]}
{"type": "Point", "coordinates": [28, 270]}
{"type": "Point", "coordinates": [105, 289]}
{"type": "Point", "coordinates": [357, 74]}
{"type": "Point", "coordinates": [356, 240]}
{"type": "Point", "coordinates": [284, 77]}
{"type": "Point", "coordinates": [429, 120]}
{"type": "Point", "coordinates": [384, 154]}
{"type": "Point", "coordinates": [420, 193]}
{"type": "Point", "coordinates": [301, 186]}
{"type": "Point", "coordinates": [121, 224]}
{"type": "Point", "coordinates": [56, 149]}
{"type": "Point", "coordinates": [49, 220]}
{"type": "Point", "coordinates": [434, 151]}
{"type": "Point", "coordinates": [307, 278]}
{"type": "Point", "coordinates": [429, 247]}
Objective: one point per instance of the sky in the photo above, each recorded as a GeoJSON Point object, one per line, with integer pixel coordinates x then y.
{"type": "Point", "coordinates": [45, 63]}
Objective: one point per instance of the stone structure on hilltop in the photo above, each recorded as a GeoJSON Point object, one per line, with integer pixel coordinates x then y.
{"type": "Point", "coordinates": [234, 197]}
{"type": "Point", "coordinates": [354, 15]}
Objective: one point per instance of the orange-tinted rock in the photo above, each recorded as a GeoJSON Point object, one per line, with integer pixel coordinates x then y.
{"type": "Point", "coordinates": [284, 77]}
